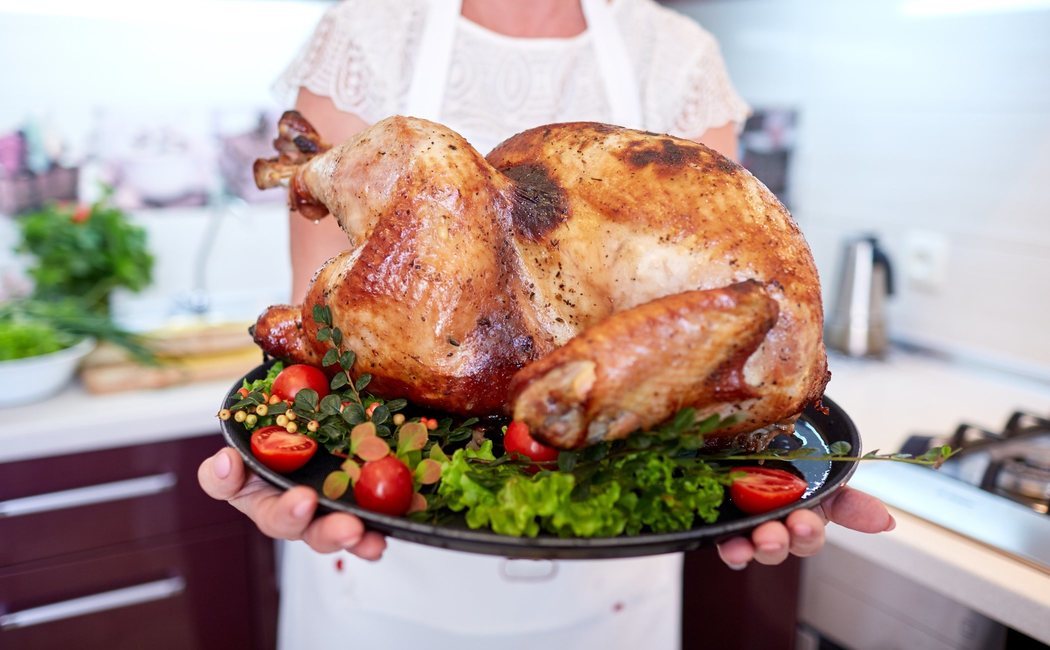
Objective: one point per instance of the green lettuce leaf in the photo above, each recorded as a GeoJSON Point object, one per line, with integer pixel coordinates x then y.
{"type": "Point", "coordinates": [627, 493]}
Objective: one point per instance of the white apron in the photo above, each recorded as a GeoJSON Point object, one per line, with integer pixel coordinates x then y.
{"type": "Point", "coordinates": [422, 597]}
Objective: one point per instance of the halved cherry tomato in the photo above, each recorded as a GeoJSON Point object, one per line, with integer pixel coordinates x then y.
{"type": "Point", "coordinates": [518, 440]}
{"type": "Point", "coordinates": [385, 486]}
{"type": "Point", "coordinates": [282, 451]}
{"type": "Point", "coordinates": [296, 377]}
{"type": "Point", "coordinates": [762, 489]}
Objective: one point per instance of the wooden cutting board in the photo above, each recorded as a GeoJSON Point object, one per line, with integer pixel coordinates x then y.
{"type": "Point", "coordinates": [186, 354]}
{"type": "Point", "coordinates": [130, 375]}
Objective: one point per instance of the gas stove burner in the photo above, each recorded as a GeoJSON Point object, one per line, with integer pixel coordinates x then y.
{"type": "Point", "coordinates": [1014, 463]}
{"type": "Point", "coordinates": [995, 489]}
{"type": "Point", "coordinates": [1020, 422]}
{"type": "Point", "coordinates": [1025, 479]}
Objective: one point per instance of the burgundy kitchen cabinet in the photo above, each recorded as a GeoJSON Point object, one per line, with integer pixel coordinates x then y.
{"type": "Point", "coordinates": [120, 549]}
{"type": "Point", "coordinates": [753, 609]}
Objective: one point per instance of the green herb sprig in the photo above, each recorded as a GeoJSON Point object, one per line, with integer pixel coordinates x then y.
{"type": "Point", "coordinates": [840, 451]}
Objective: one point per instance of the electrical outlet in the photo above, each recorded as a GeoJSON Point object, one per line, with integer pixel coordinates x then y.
{"type": "Point", "coordinates": [926, 260]}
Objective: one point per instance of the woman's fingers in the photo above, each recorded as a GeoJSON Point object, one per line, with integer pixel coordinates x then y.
{"type": "Point", "coordinates": [772, 542]}
{"type": "Point", "coordinates": [806, 531]}
{"type": "Point", "coordinates": [281, 515]}
{"type": "Point", "coordinates": [802, 534]}
{"type": "Point", "coordinates": [769, 544]}
{"type": "Point", "coordinates": [370, 547]}
{"type": "Point", "coordinates": [858, 510]}
{"type": "Point", "coordinates": [736, 552]}
{"type": "Point", "coordinates": [285, 515]}
{"type": "Point", "coordinates": [335, 532]}
{"type": "Point", "coordinates": [222, 476]}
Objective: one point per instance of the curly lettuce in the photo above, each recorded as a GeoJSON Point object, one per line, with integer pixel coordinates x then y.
{"type": "Point", "coordinates": [623, 493]}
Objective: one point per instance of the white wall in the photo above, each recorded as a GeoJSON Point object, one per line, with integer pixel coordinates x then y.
{"type": "Point", "coordinates": [199, 65]}
{"type": "Point", "coordinates": [916, 124]}
{"type": "Point", "coordinates": [65, 61]}
{"type": "Point", "coordinates": [934, 125]}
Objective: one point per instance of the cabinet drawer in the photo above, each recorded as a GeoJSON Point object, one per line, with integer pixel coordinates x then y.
{"type": "Point", "coordinates": [53, 506]}
{"type": "Point", "coordinates": [188, 591]}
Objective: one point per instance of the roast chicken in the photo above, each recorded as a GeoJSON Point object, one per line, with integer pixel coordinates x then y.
{"type": "Point", "coordinates": [586, 279]}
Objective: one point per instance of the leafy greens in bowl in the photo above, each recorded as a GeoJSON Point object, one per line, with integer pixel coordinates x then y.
{"type": "Point", "coordinates": [33, 378]}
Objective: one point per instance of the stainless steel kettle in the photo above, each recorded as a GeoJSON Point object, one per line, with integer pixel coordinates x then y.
{"type": "Point", "coordinates": [857, 325]}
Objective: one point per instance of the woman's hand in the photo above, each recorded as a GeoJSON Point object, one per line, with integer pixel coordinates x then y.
{"type": "Point", "coordinates": [287, 515]}
{"type": "Point", "coordinates": [802, 533]}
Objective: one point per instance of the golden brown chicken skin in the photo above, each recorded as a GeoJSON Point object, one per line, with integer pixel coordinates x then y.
{"type": "Point", "coordinates": [585, 278]}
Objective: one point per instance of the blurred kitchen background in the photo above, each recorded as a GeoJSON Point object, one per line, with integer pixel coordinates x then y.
{"type": "Point", "coordinates": [924, 124]}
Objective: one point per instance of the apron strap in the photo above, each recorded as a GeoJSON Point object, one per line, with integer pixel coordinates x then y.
{"type": "Point", "coordinates": [426, 93]}
{"type": "Point", "coordinates": [614, 65]}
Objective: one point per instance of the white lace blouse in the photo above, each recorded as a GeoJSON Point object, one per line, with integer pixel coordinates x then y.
{"type": "Point", "coordinates": [363, 52]}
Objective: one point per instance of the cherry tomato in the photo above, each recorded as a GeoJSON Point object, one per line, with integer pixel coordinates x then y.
{"type": "Point", "coordinates": [282, 451]}
{"type": "Point", "coordinates": [81, 214]}
{"type": "Point", "coordinates": [385, 486]}
{"type": "Point", "coordinates": [762, 489]}
{"type": "Point", "coordinates": [296, 377]}
{"type": "Point", "coordinates": [518, 440]}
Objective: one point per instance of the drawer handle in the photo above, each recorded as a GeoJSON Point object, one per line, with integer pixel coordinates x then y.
{"type": "Point", "coordinates": [100, 602]}
{"type": "Point", "coordinates": [91, 494]}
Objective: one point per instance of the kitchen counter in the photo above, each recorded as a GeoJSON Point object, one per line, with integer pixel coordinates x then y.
{"type": "Point", "coordinates": [889, 400]}
{"type": "Point", "coordinates": [913, 394]}
{"type": "Point", "coordinates": [75, 420]}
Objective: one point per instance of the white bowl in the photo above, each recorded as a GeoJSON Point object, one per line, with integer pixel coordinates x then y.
{"type": "Point", "coordinates": [35, 378]}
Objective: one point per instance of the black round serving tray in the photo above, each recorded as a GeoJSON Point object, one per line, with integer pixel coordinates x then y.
{"type": "Point", "coordinates": [815, 429]}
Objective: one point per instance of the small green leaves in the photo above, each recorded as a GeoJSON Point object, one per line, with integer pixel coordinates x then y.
{"type": "Point", "coordinates": [306, 399]}
{"type": "Point", "coordinates": [419, 503]}
{"type": "Point", "coordinates": [372, 448]}
{"type": "Point", "coordinates": [322, 315]}
{"type": "Point", "coordinates": [351, 467]}
{"type": "Point", "coordinates": [362, 431]}
{"type": "Point", "coordinates": [335, 484]}
{"type": "Point", "coordinates": [412, 436]}
{"type": "Point", "coordinates": [840, 448]}
{"type": "Point", "coordinates": [353, 414]}
{"type": "Point", "coordinates": [331, 405]}
{"type": "Point", "coordinates": [330, 357]}
{"type": "Point", "coordinates": [937, 455]}
{"type": "Point", "coordinates": [365, 444]}
{"type": "Point", "coordinates": [347, 359]}
{"type": "Point", "coordinates": [380, 414]}
{"type": "Point", "coordinates": [437, 454]}
{"type": "Point", "coordinates": [339, 381]}
{"type": "Point", "coordinates": [567, 460]}
{"type": "Point", "coordinates": [595, 452]}
{"type": "Point", "coordinates": [428, 472]}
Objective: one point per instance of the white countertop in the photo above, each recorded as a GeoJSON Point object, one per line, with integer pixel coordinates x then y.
{"type": "Point", "coordinates": [911, 394]}
{"type": "Point", "coordinates": [888, 400]}
{"type": "Point", "coordinates": [75, 420]}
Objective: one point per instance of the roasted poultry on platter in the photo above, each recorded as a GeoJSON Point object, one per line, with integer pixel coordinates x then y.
{"type": "Point", "coordinates": [587, 279]}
